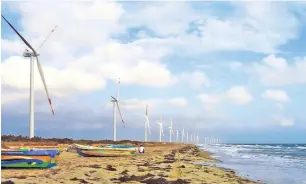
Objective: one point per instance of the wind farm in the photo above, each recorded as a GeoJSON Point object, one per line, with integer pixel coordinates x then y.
{"type": "Point", "coordinates": [159, 93]}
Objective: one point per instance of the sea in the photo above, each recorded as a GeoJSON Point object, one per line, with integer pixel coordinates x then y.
{"type": "Point", "coordinates": [268, 163]}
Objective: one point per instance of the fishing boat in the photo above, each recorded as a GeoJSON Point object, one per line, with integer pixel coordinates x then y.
{"type": "Point", "coordinates": [108, 151]}
{"type": "Point", "coordinates": [119, 146]}
{"type": "Point", "coordinates": [29, 158]}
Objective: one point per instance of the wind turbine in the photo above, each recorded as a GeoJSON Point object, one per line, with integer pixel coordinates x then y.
{"type": "Point", "coordinates": [116, 104]}
{"type": "Point", "coordinates": [161, 131]}
{"type": "Point", "coordinates": [183, 135]}
{"type": "Point", "coordinates": [191, 137]}
{"type": "Point", "coordinates": [187, 136]}
{"type": "Point", "coordinates": [31, 55]}
{"type": "Point", "coordinates": [147, 125]}
{"type": "Point", "coordinates": [177, 134]}
{"type": "Point", "coordinates": [171, 130]}
{"type": "Point", "coordinates": [198, 138]}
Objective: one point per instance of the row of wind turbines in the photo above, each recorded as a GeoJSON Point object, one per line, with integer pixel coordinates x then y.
{"type": "Point", "coordinates": [33, 54]}
{"type": "Point", "coordinates": [189, 137]}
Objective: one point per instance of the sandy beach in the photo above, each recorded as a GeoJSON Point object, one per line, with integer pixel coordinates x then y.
{"type": "Point", "coordinates": [161, 163]}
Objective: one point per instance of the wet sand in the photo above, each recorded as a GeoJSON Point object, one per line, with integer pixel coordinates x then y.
{"type": "Point", "coordinates": [161, 163]}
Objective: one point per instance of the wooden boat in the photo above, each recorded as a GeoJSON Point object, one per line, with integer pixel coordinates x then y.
{"type": "Point", "coordinates": [91, 151]}
{"type": "Point", "coordinates": [119, 146]}
{"type": "Point", "coordinates": [28, 158]}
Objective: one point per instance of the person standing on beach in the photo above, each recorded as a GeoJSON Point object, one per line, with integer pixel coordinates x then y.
{"type": "Point", "coordinates": [141, 149]}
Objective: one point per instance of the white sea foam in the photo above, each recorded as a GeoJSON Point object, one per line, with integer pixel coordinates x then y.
{"type": "Point", "coordinates": [302, 147]}
{"type": "Point", "coordinates": [280, 164]}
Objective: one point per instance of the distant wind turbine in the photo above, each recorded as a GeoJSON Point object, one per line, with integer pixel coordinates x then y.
{"type": "Point", "coordinates": [147, 125]}
{"type": "Point", "coordinates": [31, 55]}
{"type": "Point", "coordinates": [161, 131]}
{"type": "Point", "coordinates": [116, 104]}
{"type": "Point", "coordinates": [171, 130]}
{"type": "Point", "coordinates": [177, 135]}
{"type": "Point", "coordinates": [183, 134]}
{"type": "Point", "coordinates": [198, 138]}
{"type": "Point", "coordinates": [187, 137]}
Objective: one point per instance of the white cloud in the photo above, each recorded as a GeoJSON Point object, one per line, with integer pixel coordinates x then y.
{"type": "Point", "coordinates": [283, 121]}
{"type": "Point", "coordinates": [276, 95]}
{"type": "Point", "coordinates": [236, 94]}
{"type": "Point", "coordinates": [15, 73]}
{"type": "Point", "coordinates": [139, 104]}
{"type": "Point", "coordinates": [13, 97]}
{"type": "Point", "coordinates": [275, 71]}
{"type": "Point", "coordinates": [173, 18]}
{"type": "Point", "coordinates": [209, 98]}
{"type": "Point", "coordinates": [82, 54]}
{"type": "Point", "coordinates": [86, 126]}
{"type": "Point", "coordinates": [81, 60]}
{"type": "Point", "coordinates": [239, 95]}
{"type": "Point", "coordinates": [235, 65]}
{"type": "Point", "coordinates": [210, 101]}
{"type": "Point", "coordinates": [195, 79]}
{"type": "Point", "coordinates": [280, 106]}
{"type": "Point", "coordinates": [253, 26]}
{"type": "Point", "coordinates": [178, 102]}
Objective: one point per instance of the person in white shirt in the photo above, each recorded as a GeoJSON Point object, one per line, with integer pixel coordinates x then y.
{"type": "Point", "coordinates": [141, 149]}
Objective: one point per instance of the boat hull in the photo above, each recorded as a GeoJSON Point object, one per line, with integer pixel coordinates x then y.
{"type": "Point", "coordinates": [105, 153]}
{"type": "Point", "coordinates": [89, 151]}
{"type": "Point", "coordinates": [29, 159]}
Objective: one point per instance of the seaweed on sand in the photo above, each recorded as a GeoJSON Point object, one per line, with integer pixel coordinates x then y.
{"type": "Point", "coordinates": [149, 179]}
{"type": "Point", "coordinates": [95, 166]}
{"type": "Point", "coordinates": [77, 179]}
{"type": "Point", "coordinates": [8, 182]}
{"type": "Point", "coordinates": [110, 168]}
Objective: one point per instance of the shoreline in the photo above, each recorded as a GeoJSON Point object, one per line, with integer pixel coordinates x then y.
{"type": "Point", "coordinates": [161, 163]}
{"type": "Point", "coordinates": [213, 164]}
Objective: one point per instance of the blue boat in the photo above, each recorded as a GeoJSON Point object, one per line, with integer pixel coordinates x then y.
{"type": "Point", "coordinates": [29, 158]}
{"type": "Point", "coordinates": [119, 146]}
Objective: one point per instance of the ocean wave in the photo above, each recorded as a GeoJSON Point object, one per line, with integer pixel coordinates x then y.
{"type": "Point", "coordinates": [301, 147]}
{"type": "Point", "coordinates": [286, 161]}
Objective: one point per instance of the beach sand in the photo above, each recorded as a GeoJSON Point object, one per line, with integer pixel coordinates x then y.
{"type": "Point", "coordinates": [161, 163]}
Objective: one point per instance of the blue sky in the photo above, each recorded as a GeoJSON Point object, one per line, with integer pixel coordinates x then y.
{"type": "Point", "coordinates": [230, 70]}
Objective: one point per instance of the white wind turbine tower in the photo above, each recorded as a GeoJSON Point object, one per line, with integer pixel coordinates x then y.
{"type": "Point", "coordinates": [116, 104]}
{"type": "Point", "coordinates": [171, 130]}
{"type": "Point", "coordinates": [183, 134]}
{"type": "Point", "coordinates": [191, 137]}
{"type": "Point", "coordinates": [187, 136]}
{"type": "Point", "coordinates": [147, 125]}
{"type": "Point", "coordinates": [161, 131]}
{"type": "Point", "coordinates": [198, 138]}
{"type": "Point", "coordinates": [31, 55]}
{"type": "Point", "coordinates": [177, 135]}
{"type": "Point", "coordinates": [194, 137]}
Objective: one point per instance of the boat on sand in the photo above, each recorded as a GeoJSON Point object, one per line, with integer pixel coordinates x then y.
{"type": "Point", "coordinates": [108, 151]}
{"type": "Point", "coordinates": [29, 158]}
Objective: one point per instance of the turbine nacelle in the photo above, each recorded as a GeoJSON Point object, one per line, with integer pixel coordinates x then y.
{"type": "Point", "coordinates": [114, 99]}
{"type": "Point", "coordinates": [27, 53]}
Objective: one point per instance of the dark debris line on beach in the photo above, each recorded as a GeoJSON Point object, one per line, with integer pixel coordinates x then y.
{"type": "Point", "coordinates": [8, 182]}
{"type": "Point", "coordinates": [150, 178]}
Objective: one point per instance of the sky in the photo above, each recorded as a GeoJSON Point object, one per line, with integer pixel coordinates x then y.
{"type": "Point", "coordinates": [231, 70]}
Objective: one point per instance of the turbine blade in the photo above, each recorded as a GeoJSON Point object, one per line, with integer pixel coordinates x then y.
{"type": "Point", "coordinates": [117, 97]}
{"type": "Point", "coordinates": [120, 113]}
{"type": "Point", "coordinates": [22, 38]}
{"type": "Point", "coordinates": [149, 127]}
{"type": "Point", "coordinates": [47, 37]}
{"type": "Point", "coordinates": [162, 129]}
{"type": "Point", "coordinates": [114, 98]}
{"type": "Point", "coordinates": [41, 72]}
